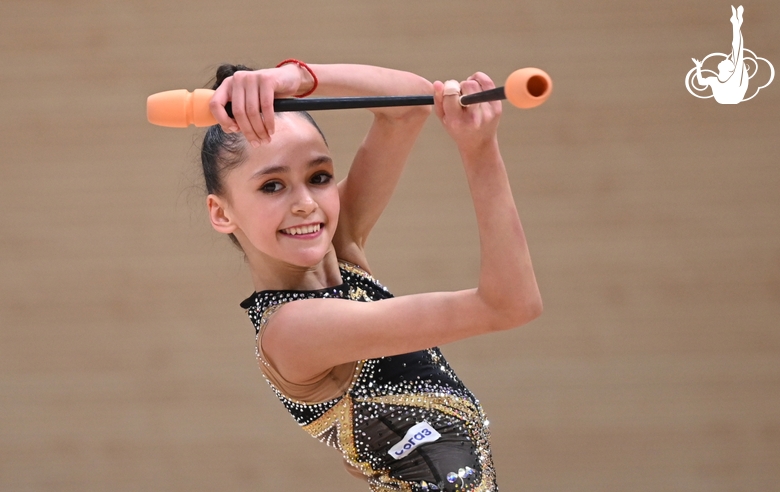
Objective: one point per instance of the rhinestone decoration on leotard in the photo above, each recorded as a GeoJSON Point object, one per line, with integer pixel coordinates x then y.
{"type": "Point", "coordinates": [388, 396]}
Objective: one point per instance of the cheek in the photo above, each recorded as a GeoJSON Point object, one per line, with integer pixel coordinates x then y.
{"type": "Point", "coordinates": [260, 214]}
{"type": "Point", "coordinates": [334, 203]}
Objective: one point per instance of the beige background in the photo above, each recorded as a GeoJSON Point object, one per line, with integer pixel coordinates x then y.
{"type": "Point", "coordinates": [653, 218]}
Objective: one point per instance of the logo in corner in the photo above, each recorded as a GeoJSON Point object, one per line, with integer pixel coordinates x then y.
{"type": "Point", "coordinates": [730, 84]}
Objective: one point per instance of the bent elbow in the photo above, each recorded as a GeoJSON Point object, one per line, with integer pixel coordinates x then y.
{"type": "Point", "coordinates": [523, 311]}
{"type": "Point", "coordinates": [507, 311]}
{"type": "Point", "coordinates": [535, 309]}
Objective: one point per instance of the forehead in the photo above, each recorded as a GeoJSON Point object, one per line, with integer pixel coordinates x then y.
{"type": "Point", "coordinates": [295, 141]}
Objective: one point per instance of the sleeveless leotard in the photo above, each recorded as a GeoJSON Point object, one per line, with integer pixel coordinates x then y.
{"type": "Point", "coordinates": [405, 423]}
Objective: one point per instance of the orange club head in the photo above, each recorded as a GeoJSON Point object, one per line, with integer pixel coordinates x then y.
{"type": "Point", "coordinates": [180, 108]}
{"type": "Point", "coordinates": [528, 87]}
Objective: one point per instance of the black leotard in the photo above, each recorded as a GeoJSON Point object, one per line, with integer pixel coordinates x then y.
{"type": "Point", "coordinates": [370, 424]}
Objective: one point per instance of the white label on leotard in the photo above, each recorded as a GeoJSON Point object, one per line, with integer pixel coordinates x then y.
{"type": "Point", "coordinates": [418, 434]}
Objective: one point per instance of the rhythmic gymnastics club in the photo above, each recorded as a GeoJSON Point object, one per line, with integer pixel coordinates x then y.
{"type": "Point", "coordinates": [524, 88]}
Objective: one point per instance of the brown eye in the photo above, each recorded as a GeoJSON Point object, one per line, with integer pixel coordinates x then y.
{"type": "Point", "coordinates": [321, 178]}
{"type": "Point", "coordinates": [271, 187]}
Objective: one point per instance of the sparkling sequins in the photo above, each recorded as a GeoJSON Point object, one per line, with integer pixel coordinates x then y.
{"type": "Point", "coordinates": [386, 398]}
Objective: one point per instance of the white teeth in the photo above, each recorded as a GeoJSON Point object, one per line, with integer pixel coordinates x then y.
{"type": "Point", "coordinates": [302, 230]}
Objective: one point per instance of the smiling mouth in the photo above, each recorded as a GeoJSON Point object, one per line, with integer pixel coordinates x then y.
{"type": "Point", "coordinates": [297, 231]}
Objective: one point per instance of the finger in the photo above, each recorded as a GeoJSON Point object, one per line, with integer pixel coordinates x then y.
{"type": "Point", "coordinates": [478, 82]}
{"type": "Point", "coordinates": [253, 109]}
{"type": "Point", "coordinates": [450, 95]}
{"type": "Point", "coordinates": [240, 110]}
{"type": "Point", "coordinates": [239, 113]}
{"type": "Point", "coordinates": [217, 106]}
{"type": "Point", "coordinates": [438, 88]}
{"type": "Point", "coordinates": [451, 88]}
{"type": "Point", "coordinates": [485, 82]}
{"type": "Point", "coordinates": [469, 87]}
{"type": "Point", "coordinates": [267, 108]}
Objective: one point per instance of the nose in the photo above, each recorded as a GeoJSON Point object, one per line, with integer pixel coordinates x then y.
{"type": "Point", "coordinates": [304, 204]}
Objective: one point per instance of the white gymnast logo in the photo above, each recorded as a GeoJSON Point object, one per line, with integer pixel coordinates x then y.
{"type": "Point", "coordinates": [730, 84]}
{"type": "Point", "coordinates": [418, 434]}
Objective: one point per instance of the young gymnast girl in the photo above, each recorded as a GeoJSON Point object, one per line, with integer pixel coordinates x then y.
{"type": "Point", "coordinates": [361, 375]}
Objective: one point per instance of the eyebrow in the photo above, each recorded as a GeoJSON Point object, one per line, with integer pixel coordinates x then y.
{"type": "Point", "coordinates": [318, 161]}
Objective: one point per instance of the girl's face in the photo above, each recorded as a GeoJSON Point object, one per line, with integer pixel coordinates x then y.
{"type": "Point", "coordinates": [282, 202]}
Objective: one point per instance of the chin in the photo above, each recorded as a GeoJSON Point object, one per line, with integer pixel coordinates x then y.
{"type": "Point", "coordinates": [308, 260]}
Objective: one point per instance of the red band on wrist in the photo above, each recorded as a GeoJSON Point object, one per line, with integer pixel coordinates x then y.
{"type": "Point", "coordinates": [308, 69]}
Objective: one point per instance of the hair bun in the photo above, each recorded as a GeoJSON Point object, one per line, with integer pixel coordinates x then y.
{"type": "Point", "coordinates": [227, 70]}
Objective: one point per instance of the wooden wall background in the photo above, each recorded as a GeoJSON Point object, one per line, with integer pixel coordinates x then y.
{"type": "Point", "coordinates": [653, 217]}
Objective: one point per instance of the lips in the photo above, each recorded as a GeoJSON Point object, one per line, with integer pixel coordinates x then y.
{"type": "Point", "coordinates": [303, 229]}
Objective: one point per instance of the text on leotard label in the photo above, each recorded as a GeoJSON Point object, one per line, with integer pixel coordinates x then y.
{"type": "Point", "coordinates": [418, 434]}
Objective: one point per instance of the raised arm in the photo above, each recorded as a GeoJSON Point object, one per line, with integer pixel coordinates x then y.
{"type": "Point", "coordinates": [379, 161]}
{"type": "Point", "coordinates": [304, 338]}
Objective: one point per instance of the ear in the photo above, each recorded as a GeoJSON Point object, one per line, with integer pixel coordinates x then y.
{"type": "Point", "coordinates": [219, 215]}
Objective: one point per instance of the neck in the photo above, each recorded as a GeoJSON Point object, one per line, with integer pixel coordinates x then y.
{"type": "Point", "coordinates": [271, 274]}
